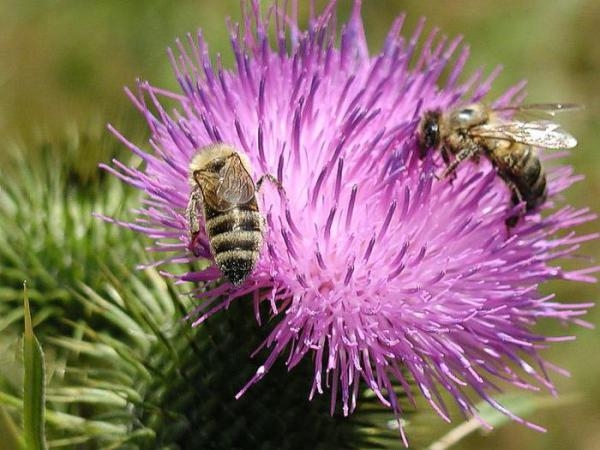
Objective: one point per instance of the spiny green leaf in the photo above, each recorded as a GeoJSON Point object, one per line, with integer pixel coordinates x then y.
{"type": "Point", "coordinates": [33, 385]}
{"type": "Point", "coordinates": [79, 346]}
{"type": "Point", "coordinates": [11, 437]}
{"type": "Point", "coordinates": [10, 318]}
{"type": "Point", "coordinates": [47, 230]}
{"type": "Point", "coordinates": [102, 392]}
{"type": "Point", "coordinates": [11, 401]}
{"type": "Point", "coordinates": [86, 395]}
{"type": "Point", "coordinates": [90, 427]}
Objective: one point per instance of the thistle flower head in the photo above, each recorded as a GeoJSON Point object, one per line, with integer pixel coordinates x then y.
{"type": "Point", "coordinates": [373, 268]}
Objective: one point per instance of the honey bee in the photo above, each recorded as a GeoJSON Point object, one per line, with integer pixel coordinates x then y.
{"type": "Point", "coordinates": [221, 182]}
{"type": "Point", "coordinates": [471, 131]}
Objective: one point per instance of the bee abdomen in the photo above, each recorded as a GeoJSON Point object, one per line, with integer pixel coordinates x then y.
{"type": "Point", "coordinates": [537, 193]}
{"type": "Point", "coordinates": [235, 239]}
{"type": "Point", "coordinates": [236, 265]}
{"type": "Point", "coordinates": [532, 168]}
{"type": "Point", "coordinates": [532, 181]}
{"type": "Point", "coordinates": [235, 219]}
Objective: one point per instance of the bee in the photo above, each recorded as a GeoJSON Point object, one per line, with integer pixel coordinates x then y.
{"type": "Point", "coordinates": [474, 130]}
{"type": "Point", "coordinates": [221, 182]}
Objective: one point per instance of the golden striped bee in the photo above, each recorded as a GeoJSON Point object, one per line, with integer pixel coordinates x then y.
{"type": "Point", "coordinates": [470, 131]}
{"type": "Point", "coordinates": [221, 182]}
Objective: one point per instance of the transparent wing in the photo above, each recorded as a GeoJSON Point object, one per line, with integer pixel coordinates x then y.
{"type": "Point", "coordinates": [548, 108]}
{"type": "Point", "coordinates": [209, 183]}
{"type": "Point", "coordinates": [539, 133]}
{"type": "Point", "coordinates": [235, 183]}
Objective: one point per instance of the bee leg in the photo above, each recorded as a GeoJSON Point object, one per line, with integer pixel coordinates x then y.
{"type": "Point", "coordinates": [446, 159]}
{"type": "Point", "coordinates": [192, 215]}
{"type": "Point", "coordinates": [445, 156]}
{"type": "Point", "coordinates": [273, 180]}
{"type": "Point", "coordinates": [516, 198]}
{"type": "Point", "coordinates": [467, 152]}
{"type": "Point", "coordinates": [192, 210]}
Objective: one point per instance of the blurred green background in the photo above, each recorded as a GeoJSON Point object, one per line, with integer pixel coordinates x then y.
{"type": "Point", "coordinates": [63, 64]}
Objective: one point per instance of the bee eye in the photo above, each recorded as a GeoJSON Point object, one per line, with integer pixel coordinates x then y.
{"type": "Point", "coordinates": [432, 133]}
{"type": "Point", "coordinates": [428, 133]}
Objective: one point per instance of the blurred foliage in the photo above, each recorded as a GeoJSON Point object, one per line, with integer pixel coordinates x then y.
{"type": "Point", "coordinates": [64, 63]}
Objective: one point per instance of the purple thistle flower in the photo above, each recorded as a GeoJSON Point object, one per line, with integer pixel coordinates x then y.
{"type": "Point", "coordinates": [375, 270]}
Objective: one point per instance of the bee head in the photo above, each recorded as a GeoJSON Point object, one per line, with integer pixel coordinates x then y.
{"type": "Point", "coordinates": [428, 133]}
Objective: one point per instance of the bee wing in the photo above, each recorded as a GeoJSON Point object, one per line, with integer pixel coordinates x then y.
{"type": "Point", "coordinates": [209, 183]}
{"type": "Point", "coordinates": [539, 133]}
{"type": "Point", "coordinates": [236, 186]}
{"type": "Point", "coordinates": [547, 108]}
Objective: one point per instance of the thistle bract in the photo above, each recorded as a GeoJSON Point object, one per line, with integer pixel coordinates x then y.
{"type": "Point", "coordinates": [374, 269]}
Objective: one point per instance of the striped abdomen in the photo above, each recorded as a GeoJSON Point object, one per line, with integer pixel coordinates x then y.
{"type": "Point", "coordinates": [533, 183]}
{"type": "Point", "coordinates": [528, 176]}
{"type": "Point", "coordinates": [235, 239]}
{"type": "Point", "coordinates": [521, 168]}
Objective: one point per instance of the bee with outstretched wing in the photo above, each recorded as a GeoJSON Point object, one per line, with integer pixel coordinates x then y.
{"type": "Point", "coordinates": [475, 130]}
